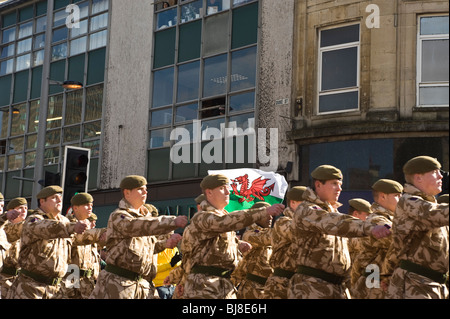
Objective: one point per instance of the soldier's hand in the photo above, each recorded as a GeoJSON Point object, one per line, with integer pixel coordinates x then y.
{"type": "Point", "coordinates": [181, 221]}
{"type": "Point", "coordinates": [12, 214]}
{"type": "Point", "coordinates": [244, 246]}
{"type": "Point", "coordinates": [81, 226]}
{"type": "Point", "coordinates": [380, 232]}
{"type": "Point", "coordinates": [166, 281]}
{"type": "Point", "coordinates": [275, 210]}
{"type": "Point", "coordinates": [173, 240]}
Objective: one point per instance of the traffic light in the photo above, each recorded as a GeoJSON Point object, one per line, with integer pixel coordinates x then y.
{"type": "Point", "coordinates": [75, 173]}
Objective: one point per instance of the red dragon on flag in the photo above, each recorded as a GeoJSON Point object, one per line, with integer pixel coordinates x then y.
{"type": "Point", "coordinates": [257, 190]}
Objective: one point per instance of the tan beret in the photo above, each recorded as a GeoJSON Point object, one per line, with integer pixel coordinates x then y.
{"type": "Point", "coordinates": [326, 172]}
{"type": "Point", "coordinates": [16, 202]}
{"type": "Point", "coordinates": [360, 204]}
{"type": "Point", "coordinates": [214, 181]}
{"type": "Point", "coordinates": [132, 182]}
{"type": "Point", "coordinates": [200, 198]}
{"type": "Point", "coordinates": [81, 199]}
{"type": "Point", "coordinates": [92, 217]}
{"type": "Point", "coordinates": [49, 191]}
{"type": "Point", "coordinates": [421, 165]}
{"type": "Point", "coordinates": [387, 186]}
{"type": "Point", "coordinates": [296, 193]}
{"type": "Point", "coordinates": [443, 199]}
{"type": "Point", "coordinates": [260, 205]}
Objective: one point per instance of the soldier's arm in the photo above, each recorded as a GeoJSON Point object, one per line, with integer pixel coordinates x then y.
{"type": "Point", "coordinates": [230, 222]}
{"type": "Point", "coordinates": [48, 228]}
{"type": "Point", "coordinates": [90, 236]}
{"type": "Point", "coordinates": [13, 231]}
{"type": "Point", "coordinates": [430, 215]}
{"type": "Point", "coordinates": [129, 226]}
{"type": "Point", "coordinates": [318, 220]}
{"type": "Point", "coordinates": [258, 238]}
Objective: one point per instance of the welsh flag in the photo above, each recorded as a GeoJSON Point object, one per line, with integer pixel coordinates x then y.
{"type": "Point", "coordinates": [249, 186]}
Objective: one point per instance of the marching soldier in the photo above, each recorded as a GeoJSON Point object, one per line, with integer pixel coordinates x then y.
{"type": "Point", "coordinates": [419, 252]}
{"type": "Point", "coordinates": [13, 230]}
{"type": "Point", "coordinates": [255, 264]}
{"type": "Point", "coordinates": [2, 203]}
{"type": "Point", "coordinates": [84, 252]}
{"type": "Point", "coordinates": [386, 194]}
{"type": "Point", "coordinates": [209, 244]}
{"type": "Point", "coordinates": [281, 261]}
{"type": "Point", "coordinates": [131, 245]}
{"type": "Point", "coordinates": [45, 247]}
{"type": "Point", "coordinates": [322, 255]}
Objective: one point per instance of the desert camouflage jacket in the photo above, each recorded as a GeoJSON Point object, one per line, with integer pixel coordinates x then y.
{"type": "Point", "coordinates": [45, 244]}
{"type": "Point", "coordinates": [282, 240]}
{"type": "Point", "coordinates": [319, 231]}
{"type": "Point", "coordinates": [420, 232]}
{"type": "Point", "coordinates": [13, 232]}
{"type": "Point", "coordinates": [210, 239]}
{"type": "Point", "coordinates": [131, 242]}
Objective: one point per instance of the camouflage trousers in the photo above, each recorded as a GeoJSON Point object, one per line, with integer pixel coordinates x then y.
{"type": "Point", "coordinates": [25, 287]}
{"type": "Point", "coordinates": [307, 287]}
{"type": "Point", "coordinates": [85, 289]}
{"type": "Point", "coordinates": [250, 290]}
{"type": "Point", "coordinates": [112, 286]}
{"type": "Point", "coordinates": [408, 285]}
{"type": "Point", "coordinates": [360, 290]}
{"type": "Point", "coordinates": [6, 282]}
{"type": "Point", "coordinates": [276, 288]}
{"type": "Point", "coordinates": [201, 286]}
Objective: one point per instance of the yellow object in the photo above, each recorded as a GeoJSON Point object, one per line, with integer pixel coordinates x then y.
{"type": "Point", "coordinates": [164, 267]}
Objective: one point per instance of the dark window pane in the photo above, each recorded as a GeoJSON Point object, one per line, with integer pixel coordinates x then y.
{"type": "Point", "coordinates": [25, 13]}
{"type": "Point", "coordinates": [5, 88]}
{"type": "Point", "coordinates": [188, 81]}
{"type": "Point", "coordinates": [96, 66]}
{"type": "Point", "coordinates": [339, 35]}
{"type": "Point", "coordinates": [163, 87]}
{"type": "Point", "coordinates": [9, 19]}
{"type": "Point", "coordinates": [190, 41]}
{"type": "Point", "coordinates": [158, 165]}
{"type": "Point", "coordinates": [339, 69]}
{"type": "Point", "coordinates": [160, 138]}
{"type": "Point", "coordinates": [338, 102]}
{"type": "Point", "coordinates": [245, 25]}
{"type": "Point", "coordinates": [94, 103]}
{"type": "Point", "coordinates": [164, 48]}
{"type": "Point", "coordinates": [215, 76]}
{"type": "Point", "coordinates": [76, 68]}
{"type": "Point", "coordinates": [36, 80]}
{"type": "Point", "coordinates": [243, 69]}
{"type": "Point", "coordinates": [41, 8]}
{"type": "Point", "coordinates": [21, 86]}
{"type": "Point", "coordinates": [54, 115]}
{"type": "Point", "coordinates": [57, 71]}
{"type": "Point", "coordinates": [60, 34]}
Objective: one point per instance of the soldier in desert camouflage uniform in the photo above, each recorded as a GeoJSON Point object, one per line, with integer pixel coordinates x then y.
{"type": "Point", "coordinates": [45, 247]}
{"type": "Point", "coordinates": [209, 244]}
{"type": "Point", "coordinates": [386, 194]}
{"type": "Point", "coordinates": [13, 230]}
{"type": "Point", "coordinates": [255, 263]}
{"type": "Point", "coordinates": [323, 261]}
{"type": "Point", "coordinates": [131, 245]}
{"type": "Point", "coordinates": [282, 262]}
{"type": "Point", "coordinates": [419, 252]}
{"type": "Point", "coordinates": [84, 252]}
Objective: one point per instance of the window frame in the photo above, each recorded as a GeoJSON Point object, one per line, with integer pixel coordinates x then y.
{"type": "Point", "coordinates": [420, 39]}
{"type": "Point", "coordinates": [321, 51]}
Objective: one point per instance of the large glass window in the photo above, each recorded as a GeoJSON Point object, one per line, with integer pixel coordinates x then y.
{"type": "Point", "coordinates": [74, 117]}
{"type": "Point", "coordinates": [207, 87]}
{"type": "Point", "coordinates": [433, 61]}
{"type": "Point", "coordinates": [339, 69]}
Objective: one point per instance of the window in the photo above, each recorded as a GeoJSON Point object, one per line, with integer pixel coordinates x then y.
{"type": "Point", "coordinates": [433, 61]}
{"type": "Point", "coordinates": [204, 80]}
{"type": "Point", "coordinates": [339, 61]}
